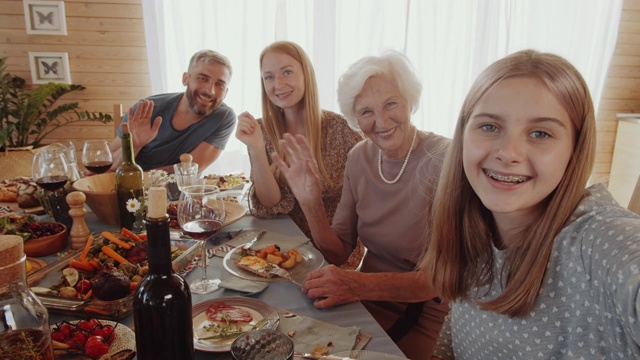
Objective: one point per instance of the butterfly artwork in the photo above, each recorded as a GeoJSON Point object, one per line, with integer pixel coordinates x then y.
{"type": "Point", "coordinates": [42, 18]}
{"type": "Point", "coordinates": [50, 68]}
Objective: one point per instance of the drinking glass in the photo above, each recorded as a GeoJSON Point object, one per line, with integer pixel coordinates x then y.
{"type": "Point", "coordinates": [201, 215]}
{"type": "Point", "coordinates": [51, 172]}
{"type": "Point", "coordinates": [186, 174]}
{"type": "Point", "coordinates": [96, 156]}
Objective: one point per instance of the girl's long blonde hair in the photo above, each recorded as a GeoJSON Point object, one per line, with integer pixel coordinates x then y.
{"type": "Point", "coordinates": [273, 117]}
{"type": "Point", "coordinates": [460, 257]}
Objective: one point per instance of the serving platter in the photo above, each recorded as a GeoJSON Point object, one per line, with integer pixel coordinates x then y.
{"type": "Point", "coordinates": [259, 310]}
{"type": "Point", "coordinates": [312, 259]}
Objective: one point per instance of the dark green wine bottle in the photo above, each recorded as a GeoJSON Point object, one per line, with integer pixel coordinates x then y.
{"type": "Point", "coordinates": [129, 185]}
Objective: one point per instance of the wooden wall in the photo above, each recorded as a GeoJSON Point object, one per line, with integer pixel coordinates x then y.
{"type": "Point", "coordinates": [622, 88]}
{"type": "Point", "coordinates": [107, 54]}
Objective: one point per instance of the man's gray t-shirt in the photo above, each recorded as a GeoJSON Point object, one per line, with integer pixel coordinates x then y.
{"type": "Point", "coordinates": [170, 143]}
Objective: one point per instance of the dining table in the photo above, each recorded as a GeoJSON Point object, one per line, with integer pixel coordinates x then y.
{"type": "Point", "coordinates": [281, 295]}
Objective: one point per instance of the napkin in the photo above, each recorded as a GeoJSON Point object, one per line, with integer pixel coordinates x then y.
{"type": "Point", "coordinates": [235, 283]}
{"type": "Point", "coordinates": [307, 333]}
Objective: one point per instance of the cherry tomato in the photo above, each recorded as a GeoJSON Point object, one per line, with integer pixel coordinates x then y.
{"type": "Point", "coordinates": [58, 336]}
{"type": "Point", "coordinates": [77, 340]}
{"type": "Point", "coordinates": [106, 331]}
{"type": "Point", "coordinates": [83, 286]}
{"type": "Point", "coordinates": [95, 347]}
{"type": "Point", "coordinates": [89, 325]}
{"type": "Point", "coordinates": [66, 330]}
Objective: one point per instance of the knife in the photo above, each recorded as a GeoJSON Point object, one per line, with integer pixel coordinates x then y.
{"type": "Point", "coordinates": [250, 243]}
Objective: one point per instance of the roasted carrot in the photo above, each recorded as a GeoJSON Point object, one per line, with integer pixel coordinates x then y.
{"type": "Point", "coordinates": [80, 265]}
{"type": "Point", "coordinates": [109, 236]}
{"type": "Point", "coordinates": [94, 262]}
{"type": "Point", "coordinates": [85, 251]}
{"type": "Point", "coordinates": [114, 255]}
{"type": "Point", "coordinates": [88, 294]}
{"type": "Point", "coordinates": [142, 236]}
{"type": "Point", "coordinates": [128, 234]}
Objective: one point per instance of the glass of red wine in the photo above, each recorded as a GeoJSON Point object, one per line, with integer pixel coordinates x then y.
{"type": "Point", "coordinates": [50, 170]}
{"type": "Point", "coordinates": [96, 156]}
{"type": "Point", "coordinates": [201, 215]}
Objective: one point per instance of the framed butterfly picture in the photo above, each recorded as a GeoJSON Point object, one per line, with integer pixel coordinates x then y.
{"type": "Point", "coordinates": [45, 17]}
{"type": "Point", "coordinates": [49, 67]}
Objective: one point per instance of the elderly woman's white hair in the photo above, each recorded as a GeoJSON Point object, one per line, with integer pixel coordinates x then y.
{"type": "Point", "coordinates": [392, 64]}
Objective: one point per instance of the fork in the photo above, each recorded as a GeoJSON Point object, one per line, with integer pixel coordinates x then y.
{"type": "Point", "coordinates": [278, 271]}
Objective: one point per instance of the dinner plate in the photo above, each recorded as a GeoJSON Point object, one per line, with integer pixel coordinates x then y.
{"type": "Point", "coordinates": [311, 259]}
{"type": "Point", "coordinates": [235, 211]}
{"type": "Point", "coordinates": [368, 355]}
{"type": "Point", "coordinates": [125, 337]}
{"type": "Point", "coordinates": [259, 310]}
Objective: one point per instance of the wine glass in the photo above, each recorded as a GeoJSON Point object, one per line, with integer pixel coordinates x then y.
{"type": "Point", "coordinates": [201, 215]}
{"type": "Point", "coordinates": [51, 172]}
{"type": "Point", "coordinates": [96, 156]}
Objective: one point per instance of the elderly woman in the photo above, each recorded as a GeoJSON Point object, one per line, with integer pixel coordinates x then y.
{"type": "Point", "coordinates": [388, 185]}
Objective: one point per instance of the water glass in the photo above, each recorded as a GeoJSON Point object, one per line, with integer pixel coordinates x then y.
{"type": "Point", "coordinates": [186, 174]}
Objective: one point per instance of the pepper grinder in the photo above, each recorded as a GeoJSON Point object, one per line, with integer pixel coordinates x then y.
{"type": "Point", "coordinates": [79, 231]}
{"type": "Point", "coordinates": [186, 159]}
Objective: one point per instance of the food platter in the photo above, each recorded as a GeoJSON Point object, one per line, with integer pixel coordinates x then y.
{"type": "Point", "coordinates": [125, 337]}
{"type": "Point", "coordinates": [259, 310]}
{"type": "Point", "coordinates": [50, 275]}
{"type": "Point", "coordinates": [312, 259]}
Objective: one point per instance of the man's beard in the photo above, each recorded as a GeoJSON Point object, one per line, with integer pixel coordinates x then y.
{"type": "Point", "coordinates": [199, 109]}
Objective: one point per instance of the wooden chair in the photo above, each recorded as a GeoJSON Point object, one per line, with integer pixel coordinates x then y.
{"type": "Point", "coordinates": [634, 203]}
{"type": "Point", "coordinates": [117, 117]}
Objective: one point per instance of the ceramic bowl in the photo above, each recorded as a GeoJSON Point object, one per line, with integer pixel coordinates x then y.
{"type": "Point", "coordinates": [47, 245]}
{"type": "Point", "coordinates": [100, 191]}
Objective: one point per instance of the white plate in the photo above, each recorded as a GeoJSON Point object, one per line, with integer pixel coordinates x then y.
{"type": "Point", "coordinates": [311, 259]}
{"type": "Point", "coordinates": [368, 355]}
{"type": "Point", "coordinates": [235, 211]}
{"type": "Point", "coordinates": [125, 337]}
{"type": "Point", "coordinates": [258, 309]}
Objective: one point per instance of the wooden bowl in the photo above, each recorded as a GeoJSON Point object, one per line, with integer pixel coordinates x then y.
{"type": "Point", "coordinates": [47, 245]}
{"type": "Point", "coordinates": [100, 191]}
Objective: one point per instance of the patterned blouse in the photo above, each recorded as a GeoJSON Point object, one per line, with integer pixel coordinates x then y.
{"type": "Point", "coordinates": [587, 307]}
{"type": "Point", "coordinates": [337, 140]}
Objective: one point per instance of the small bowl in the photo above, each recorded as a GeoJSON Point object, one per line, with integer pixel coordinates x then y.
{"type": "Point", "coordinates": [47, 245]}
{"type": "Point", "coordinates": [100, 191]}
{"type": "Point", "coordinates": [264, 344]}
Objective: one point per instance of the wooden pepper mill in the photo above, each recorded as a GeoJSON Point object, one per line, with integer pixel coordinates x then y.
{"type": "Point", "coordinates": [79, 231]}
{"type": "Point", "coordinates": [186, 158]}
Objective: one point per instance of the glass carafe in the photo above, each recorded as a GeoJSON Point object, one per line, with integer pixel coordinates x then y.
{"type": "Point", "coordinates": [24, 321]}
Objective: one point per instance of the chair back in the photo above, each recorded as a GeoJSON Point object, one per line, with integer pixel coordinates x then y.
{"type": "Point", "coordinates": [634, 203]}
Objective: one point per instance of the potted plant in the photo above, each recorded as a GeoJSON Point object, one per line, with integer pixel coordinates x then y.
{"type": "Point", "coordinates": [28, 115]}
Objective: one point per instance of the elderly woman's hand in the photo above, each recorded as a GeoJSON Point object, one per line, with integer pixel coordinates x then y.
{"type": "Point", "coordinates": [140, 124]}
{"type": "Point", "coordinates": [300, 170]}
{"type": "Point", "coordinates": [330, 286]}
{"type": "Point", "coordinates": [249, 131]}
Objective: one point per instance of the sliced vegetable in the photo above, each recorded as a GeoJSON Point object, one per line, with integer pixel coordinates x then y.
{"type": "Point", "coordinates": [71, 275]}
{"type": "Point", "coordinates": [95, 263]}
{"type": "Point", "coordinates": [114, 239]}
{"type": "Point", "coordinates": [128, 234]}
{"type": "Point", "coordinates": [80, 265]}
{"type": "Point", "coordinates": [114, 255]}
{"type": "Point", "coordinates": [85, 251]}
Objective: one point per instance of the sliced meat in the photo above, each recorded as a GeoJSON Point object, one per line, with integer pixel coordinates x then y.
{"type": "Point", "coordinates": [220, 310]}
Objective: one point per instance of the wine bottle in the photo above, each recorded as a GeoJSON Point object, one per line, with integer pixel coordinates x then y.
{"type": "Point", "coordinates": [129, 183]}
{"type": "Point", "coordinates": [162, 301]}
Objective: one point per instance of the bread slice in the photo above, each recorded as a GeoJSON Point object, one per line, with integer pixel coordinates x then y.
{"type": "Point", "coordinates": [256, 265]}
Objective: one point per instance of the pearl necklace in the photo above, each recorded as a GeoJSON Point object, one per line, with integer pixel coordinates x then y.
{"type": "Point", "coordinates": [404, 165]}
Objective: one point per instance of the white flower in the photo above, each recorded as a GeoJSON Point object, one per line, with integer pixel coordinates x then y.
{"type": "Point", "coordinates": [133, 205]}
{"type": "Point", "coordinates": [172, 178]}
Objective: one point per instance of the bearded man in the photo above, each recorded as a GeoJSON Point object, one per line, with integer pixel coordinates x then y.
{"type": "Point", "coordinates": [197, 121]}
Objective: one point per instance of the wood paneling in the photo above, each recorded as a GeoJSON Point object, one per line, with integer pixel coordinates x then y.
{"type": "Point", "coordinates": [622, 88]}
{"type": "Point", "coordinates": [107, 54]}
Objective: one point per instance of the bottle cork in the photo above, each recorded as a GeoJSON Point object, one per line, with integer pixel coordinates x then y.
{"type": "Point", "coordinates": [79, 231]}
{"type": "Point", "coordinates": [157, 202]}
{"type": "Point", "coordinates": [186, 158]}
{"type": "Point", "coordinates": [11, 252]}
